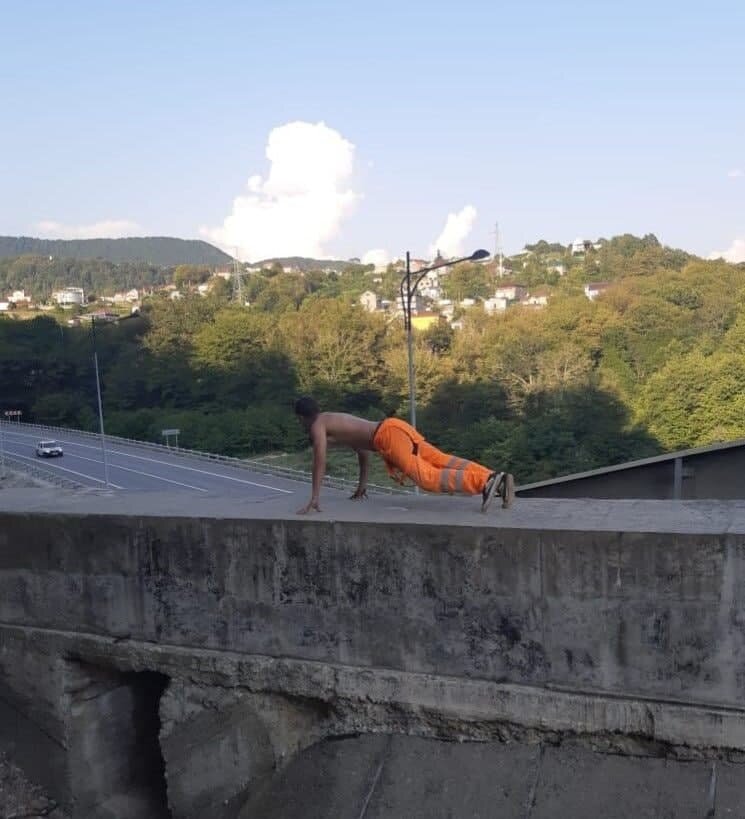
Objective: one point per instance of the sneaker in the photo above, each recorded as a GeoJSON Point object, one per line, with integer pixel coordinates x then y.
{"type": "Point", "coordinates": [490, 489]}
{"type": "Point", "coordinates": [506, 490]}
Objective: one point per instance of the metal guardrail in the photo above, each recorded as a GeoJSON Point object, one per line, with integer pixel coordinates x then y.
{"type": "Point", "coordinates": [241, 463]}
{"type": "Point", "coordinates": [38, 472]}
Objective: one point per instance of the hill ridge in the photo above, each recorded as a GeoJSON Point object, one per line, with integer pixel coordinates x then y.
{"type": "Point", "coordinates": [165, 251]}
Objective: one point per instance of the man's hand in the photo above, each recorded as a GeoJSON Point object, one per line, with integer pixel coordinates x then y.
{"type": "Point", "coordinates": [310, 505]}
{"type": "Point", "coordinates": [359, 493]}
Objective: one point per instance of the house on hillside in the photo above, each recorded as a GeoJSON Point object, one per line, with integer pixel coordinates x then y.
{"type": "Point", "coordinates": [495, 304]}
{"type": "Point", "coordinates": [581, 246]}
{"type": "Point", "coordinates": [538, 298]}
{"type": "Point", "coordinates": [595, 289]}
{"type": "Point", "coordinates": [417, 304]}
{"type": "Point", "coordinates": [370, 301]}
{"type": "Point", "coordinates": [415, 265]}
{"type": "Point", "coordinates": [446, 308]}
{"type": "Point", "coordinates": [511, 292]}
{"type": "Point", "coordinates": [430, 285]}
{"type": "Point", "coordinates": [556, 266]}
{"type": "Point", "coordinates": [69, 296]}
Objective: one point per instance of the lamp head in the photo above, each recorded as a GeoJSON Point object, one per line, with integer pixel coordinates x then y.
{"type": "Point", "coordinates": [478, 254]}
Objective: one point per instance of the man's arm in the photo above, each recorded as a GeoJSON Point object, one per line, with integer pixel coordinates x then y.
{"type": "Point", "coordinates": [318, 436]}
{"type": "Point", "coordinates": [363, 458]}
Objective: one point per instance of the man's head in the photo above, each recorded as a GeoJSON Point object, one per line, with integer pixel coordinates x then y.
{"type": "Point", "coordinates": [306, 410]}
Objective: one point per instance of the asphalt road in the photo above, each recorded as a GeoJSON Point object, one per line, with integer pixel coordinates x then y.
{"type": "Point", "coordinates": [143, 469]}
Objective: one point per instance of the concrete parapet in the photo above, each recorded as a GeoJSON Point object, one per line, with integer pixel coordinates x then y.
{"type": "Point", "coordinates": [239, 642]}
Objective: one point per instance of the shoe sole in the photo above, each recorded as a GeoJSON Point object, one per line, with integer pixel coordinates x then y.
{"type": "Point", "coordinates": [492, 492]}
{"type": "Point", "coordinates": [508, 490]}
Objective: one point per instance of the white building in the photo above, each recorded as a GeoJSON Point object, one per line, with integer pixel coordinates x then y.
{"type": "Point", "coordinates": [580, 246]}
{"type": "Point", "coordinates": [430, 285]}
{"type": "Point", "coordinates": [495, 305]}
{"type": "Point", "coordinates": [370, 301]}
{"type": "Point", "coordinates": [539, 298]}
{"type": "Point", "coordinates": [417, 304]}
{"type": "Point", "coordinates": [69, 296]}
{"type": "Point", "coordinates": [594, 289]}
{"type": "Point", "coordinates": [511, 292]}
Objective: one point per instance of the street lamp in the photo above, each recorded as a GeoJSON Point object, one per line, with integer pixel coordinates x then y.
{"type": "Point", "coordinates": [407, 294]}
{"type": "Point", "coordinates": [98, 391]}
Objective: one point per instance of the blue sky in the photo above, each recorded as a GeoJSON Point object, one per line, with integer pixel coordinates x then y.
{"type": "Point", "coordinates": [556, 119]}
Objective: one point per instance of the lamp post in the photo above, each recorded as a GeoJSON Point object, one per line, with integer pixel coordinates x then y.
{"type": "Point", "coordinates": [100, 405]}
{"type": "Point", "coordinates": [98, 393]}
{"type": "Point", "coordinates": [408, 291]}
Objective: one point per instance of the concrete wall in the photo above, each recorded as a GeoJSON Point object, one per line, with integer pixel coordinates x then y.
{"type": "Point", "coordinates": [653, 614]}
{"type": "Point", "coordinates": [714, 474]}
{"type": "Point", "coordinates": [461, 623]}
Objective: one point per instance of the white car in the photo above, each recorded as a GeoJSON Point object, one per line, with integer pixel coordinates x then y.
{"type": "Point", "coordinates": [48, 449]}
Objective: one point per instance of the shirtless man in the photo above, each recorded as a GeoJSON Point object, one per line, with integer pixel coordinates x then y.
{"type": "Point", "coordinates": [405, 453]}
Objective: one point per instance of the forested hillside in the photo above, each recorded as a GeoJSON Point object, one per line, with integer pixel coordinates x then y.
{"type": "Point", "coordinates": [153, 250]}
{"type": "Point", "coordinates": [39, 276]}
{"type": "Point", "coordinates": [654, 363]}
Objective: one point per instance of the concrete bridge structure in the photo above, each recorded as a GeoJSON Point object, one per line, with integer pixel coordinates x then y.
{"type": "Point", "coordinates": [172, 655]}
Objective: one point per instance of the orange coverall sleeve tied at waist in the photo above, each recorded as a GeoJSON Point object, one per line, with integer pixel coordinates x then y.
{"type": "Point", "coordinates": [408, 455]}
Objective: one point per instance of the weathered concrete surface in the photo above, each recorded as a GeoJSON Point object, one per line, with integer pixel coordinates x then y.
{"type": "Point", "coordinates": [621, 623]}
{"type": "Point", "coordinates": [216, 740]}
{"type": "Point", "coordinates": [21, 798]}
{"type": "Point", "coordinates": [380, 777]}
{"type": "Point", "coordinates": [655, 614]}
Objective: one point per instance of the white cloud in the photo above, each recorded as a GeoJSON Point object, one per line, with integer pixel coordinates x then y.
{"type": "Point", "coordinates": [378, 257]}
{"type": "Point", "coordinates": [736, 173]}
{"type": "Point", "coordinates": [301, 203]}
{"type": "Point", "coordinates": [106, 229]}
{"type": "Point", "coordinates": [735, 253]}
{"type": "Point", "coordinates": [457, 227]}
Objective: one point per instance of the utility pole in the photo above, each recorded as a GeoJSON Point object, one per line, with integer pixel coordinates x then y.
{"type": "Point", "coordinates": [237, 281]}
{"type": "Point", "coordinates": [100, 404]}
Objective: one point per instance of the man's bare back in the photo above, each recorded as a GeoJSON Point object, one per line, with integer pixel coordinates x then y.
{"type": "Point", "coordinates": [342, 429]}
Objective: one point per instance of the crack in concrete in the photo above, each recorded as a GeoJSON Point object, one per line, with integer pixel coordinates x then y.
{"type": "Point", "coordinates": [376, 778]}
{"type": "Point", "coordinates": [712, 796]}
{"type": "Point", "coordinates": [532, 794]}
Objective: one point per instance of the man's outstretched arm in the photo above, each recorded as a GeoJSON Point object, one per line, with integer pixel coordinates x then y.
{"type": "Point", "coordinates": [363, 458]}
{"type": "Point", "coordinates": [318, 436]}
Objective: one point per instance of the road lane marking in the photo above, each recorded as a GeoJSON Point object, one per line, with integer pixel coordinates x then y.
{"type": "Point", "coordinates": [144, 474]}
{"type": "Point", "coordinates": [170, 463]}
{"type": "Point", "coordinates": [64, 469]}
{"type": "Point", "coordinates": [205, 472]}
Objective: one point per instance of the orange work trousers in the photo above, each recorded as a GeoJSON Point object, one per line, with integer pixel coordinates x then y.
{"type": "Point", "coordinates": [408, 455]}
